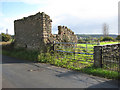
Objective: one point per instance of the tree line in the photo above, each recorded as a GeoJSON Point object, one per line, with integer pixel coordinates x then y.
{"type": "Point", "coordinates": [7, 37]}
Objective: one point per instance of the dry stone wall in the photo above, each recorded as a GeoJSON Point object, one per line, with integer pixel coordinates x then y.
{"type": "Point", "coordinates": [34, 32]}
{"type": "Point", "coordinates": [106, 54]}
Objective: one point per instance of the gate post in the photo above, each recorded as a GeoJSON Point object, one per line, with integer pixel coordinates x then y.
{"type": "Point", "coordinates": [119, 57]}
{"type": "Point", "coordinates": [53, 45]}
{"type": "Point", "coordinates": [98, 56]}
{"type": "Point", "coordinates": [119, 65]}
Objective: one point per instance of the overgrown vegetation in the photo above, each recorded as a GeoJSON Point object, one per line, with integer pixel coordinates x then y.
{"type": "Point", "coordinates": [118, 38]}
{"type": "Point", "coordinates": [59, 59]}
{"type": "Point", "coordinates": [101, 72]}
{"type": "Point", "coordinates": [5, 37]}
{"type": "Point", "coordinates": [108, 38]}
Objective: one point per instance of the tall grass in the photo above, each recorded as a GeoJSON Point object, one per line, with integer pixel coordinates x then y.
{"type": "Point", "coordinates": [22, 54]}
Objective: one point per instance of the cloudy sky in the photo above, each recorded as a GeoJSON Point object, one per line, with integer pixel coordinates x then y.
{"type": "Point", "coordinates": [81, 16]}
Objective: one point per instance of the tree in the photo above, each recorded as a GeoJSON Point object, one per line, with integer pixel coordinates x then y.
{"type": "Point", "coordinates": [5, 37]}
{"type": "Point", "coordinates": [105, 30]}
{"type": "Point", "coordinates": [118, 37]}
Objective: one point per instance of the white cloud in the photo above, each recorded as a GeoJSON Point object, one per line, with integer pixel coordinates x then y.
{"type": "Point", "coordinates": [78, 8]}
{"type": "Point", "coordinates": [83, 10]}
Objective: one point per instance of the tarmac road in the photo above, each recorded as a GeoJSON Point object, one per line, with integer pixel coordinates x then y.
{"type": "Point", "coordinates": [18, 73]}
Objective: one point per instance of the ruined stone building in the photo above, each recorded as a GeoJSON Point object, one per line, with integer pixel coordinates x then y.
{"type": "Point", "coordinates": [34, 32]}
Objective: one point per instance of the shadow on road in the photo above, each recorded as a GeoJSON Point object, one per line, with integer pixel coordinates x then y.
{"type": "Point", "coordinates": [101, 82]}
{"type": "Point", "coordinates": [12, 60]}
{"type": "Point", "coordinates": [107, 84]}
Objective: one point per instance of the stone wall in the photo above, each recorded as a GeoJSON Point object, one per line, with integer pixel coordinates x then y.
{"type": "Point", "coordinates": [65, 35]}
{"type": "Point", "coordinates": [31, 32]}
{"type": "Point", "coordinates": [34, 32]}
{"type": "Point", "coordinates": [105, 54]}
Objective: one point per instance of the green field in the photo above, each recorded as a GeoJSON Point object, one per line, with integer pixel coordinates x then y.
{"type": "Point", "coordinates": [105, 43]}
{"type": "Point", "coordinates": [101, 43]}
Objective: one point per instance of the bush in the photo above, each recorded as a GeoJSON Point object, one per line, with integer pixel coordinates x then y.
{"type": "Point", "coordinates": [118, 37]}
{"type": "Point", "coordinates": [108, 39]}
{"type": "Point", "coordinates": [80, 41]}
{"type": "Point", "coordinates": [5, 37]}
{"type": "Point", "coordinates": [101, 38]}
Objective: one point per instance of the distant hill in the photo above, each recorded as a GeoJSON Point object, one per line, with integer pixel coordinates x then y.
{"type": "Point", "coordinates": [94, 35]}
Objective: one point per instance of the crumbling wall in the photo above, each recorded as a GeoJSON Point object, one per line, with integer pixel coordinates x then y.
{"type": "Point", "coordinates": [65, 35]}
{"type": "Point", "coordinates": [34, 32]}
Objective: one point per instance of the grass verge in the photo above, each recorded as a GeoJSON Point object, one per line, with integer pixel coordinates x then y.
{"type": "Point", "coordinates": [21, 54]}
{"type": "Point", "coordinates": [101, 72]}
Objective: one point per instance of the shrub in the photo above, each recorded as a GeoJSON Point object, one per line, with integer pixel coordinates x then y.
{"type": "Point", "coordinates": [118, 37]}
{"type": "Point", "coordinates": [101, 38]}
{"type": "Point", "coordinates": [108, 38]}
{"type": "Point", "coordinates": [81, 41]}
{"type": "Point", "coordinates": [5, 37]}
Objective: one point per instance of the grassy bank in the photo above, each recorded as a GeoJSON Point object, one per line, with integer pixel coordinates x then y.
{"type": "Point", "coordinates": [21, 54]}
{"type": "Point", "coordinates": [51, 58]}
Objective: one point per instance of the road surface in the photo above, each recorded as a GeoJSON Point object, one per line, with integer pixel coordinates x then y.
{"type": "Point", "coordinates": [18, 73]}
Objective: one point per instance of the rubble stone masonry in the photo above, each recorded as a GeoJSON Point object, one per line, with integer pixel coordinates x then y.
{"type": "Point", "coordinates": [34, 32]}
{"type": "Point", "coordinates": [106, 53]}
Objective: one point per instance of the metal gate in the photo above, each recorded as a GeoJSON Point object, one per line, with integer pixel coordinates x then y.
{"type": "Point", "coordinates": [76, 55]}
